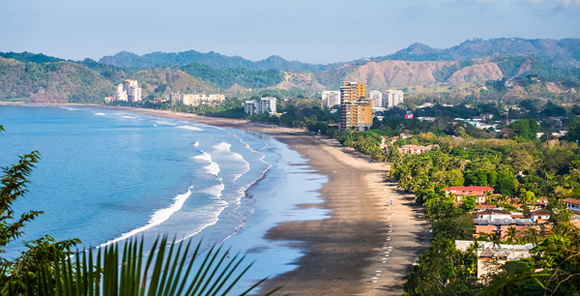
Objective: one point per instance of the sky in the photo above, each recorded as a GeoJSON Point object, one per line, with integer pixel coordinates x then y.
{"type": "Point", "coordinates": [313, 31]}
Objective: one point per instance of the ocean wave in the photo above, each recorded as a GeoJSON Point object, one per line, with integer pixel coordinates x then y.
{"type": "Point", "coordinates": [126, 116]}
{"type": "Point", "coordinates": [225, 147]}
{"type": "Point", "coordinates": [99, 114]}
{"type": "Point", "coordinates": [68, 108]}
{"type": "Point", "coordinates": [191, 128]}
{"type": "Point", "coordinates": [158, 217]}
{"type": "Point", "coordinates": [212, 167]}
{"type": "Point", "coordinates": [164, 122]}
{"type": "Point", "coordinates": [196, 144]}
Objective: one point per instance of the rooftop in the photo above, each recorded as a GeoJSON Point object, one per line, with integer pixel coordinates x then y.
{"type": "Point", "coordinates": [470, 188]}
{"type": "Point", "coordinates": [572, 201]}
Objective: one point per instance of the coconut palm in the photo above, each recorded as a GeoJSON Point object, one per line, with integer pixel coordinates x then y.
{"type": "Point", "coordinates": [123, 271]}
{"type": "Point", "coordinates": [512, 236]}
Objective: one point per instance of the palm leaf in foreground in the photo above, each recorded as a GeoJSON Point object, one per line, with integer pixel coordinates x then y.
{"type": "Point", "coordinates": [167, 272]}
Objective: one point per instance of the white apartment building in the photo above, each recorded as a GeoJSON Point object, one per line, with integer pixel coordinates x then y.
{"type": "Point", "coordinates": [377, 98]}
{"type": "Point", "coordinates": [196, 99]}
{"type": "Point", "coordinates": [131, 87]}
{"type": "Point", "coordinates": [392, 98]}
{"type": "Point", "coordinates": [331, 98]}
{"type": "Point", "coordinates": [120, 94]}
{"type": "Point", "coordinates": [262, 105]}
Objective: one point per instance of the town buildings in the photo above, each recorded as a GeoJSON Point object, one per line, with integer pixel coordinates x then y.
{"type": "Point", "coordinates": [392, 98]}
{"type": "Point", "coordinates": [491, 257]}
{"type": "Point", "coordinates": [263, 105]}
{"type": "Point", "coordinates": [572, 204]}
{"type": "Point", "coordinates": [196, 99]}
{"type": "Point", "coordinates": [331, 98]}
{"type": "Point", "coordinates": [480, 192]}
{"type": "Point", "coordinates": [415, 149]}
{"type": "Point", "coordinates": [356, 109]}
{"type": "Point", "coordinates": [377, 98]}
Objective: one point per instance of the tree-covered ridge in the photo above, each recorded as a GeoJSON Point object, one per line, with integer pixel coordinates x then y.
{"type": "Point", "coordinates": [30, 57]}
{"type": "Point", "coordinates": [564, 53]}
{"type": "Point", "coordinates": [242, 76]}
{"type": "Point", "coordinates": [51, 82]}
{"type": "Point", "coordinates": [211, 59]}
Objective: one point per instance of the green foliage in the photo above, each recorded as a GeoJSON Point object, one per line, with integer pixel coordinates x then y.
{"type": "Point", "coordinates": [242, 76]}
{"type": "Point", "coordinates": [128, 271]}
{"type": "Point", "coordinates": [524, 129]}
{"type": "Point", "coordinates": [29, 57]}
{"type": "Point", "coordinates": [14, 182]}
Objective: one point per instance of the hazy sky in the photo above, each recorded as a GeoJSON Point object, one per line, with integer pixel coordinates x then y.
{"type": "Point", "coordinates": [306, 30]}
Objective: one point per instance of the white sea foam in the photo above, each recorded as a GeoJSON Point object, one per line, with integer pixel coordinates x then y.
{"type": "Point", "coordinates": [99, 114]}
{"type": "Point", "coordinates": [125, 116]}
{"type": "Point", "coordinates": [196, 144]}
{"type": "Point", "coordinates": [191, 128]}
{"type": "Point", "coordinates": [225, 147]}
{"type": "Point", "coordinates": [158, 217]}
{"type": "Point", "coordinates": [164, 122]}
{"type": "Point", "coordinates": [69, 108]}
{"type": "Point", "coordinates": [212, 167]}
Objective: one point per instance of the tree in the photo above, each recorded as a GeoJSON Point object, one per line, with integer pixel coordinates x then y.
{"type": "Point", "coordinates": [512, 236]}
{"type": "Point", "coordinates": [525, 129]}
{"type": "Point", "coordinates": [573, 134]}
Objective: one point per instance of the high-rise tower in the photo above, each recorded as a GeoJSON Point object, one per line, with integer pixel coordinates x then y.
{"type": "Point", "coordinates": [356, 110]}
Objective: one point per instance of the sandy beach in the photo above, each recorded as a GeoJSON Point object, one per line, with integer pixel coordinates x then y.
{"type": "Point", "coordinates": [366, 246]}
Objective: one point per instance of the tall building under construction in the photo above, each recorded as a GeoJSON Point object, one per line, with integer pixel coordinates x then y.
{"type": "Point", "coordinates": [356, 110]}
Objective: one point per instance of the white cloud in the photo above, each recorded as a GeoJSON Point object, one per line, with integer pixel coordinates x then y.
{"type": "Point", "coordinates": [556, 4]}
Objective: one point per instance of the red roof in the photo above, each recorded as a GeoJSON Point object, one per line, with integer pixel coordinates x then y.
{"type": "Point", "coordinates": [572, 201]}
{"type": "Point", "coordinates": [485, 206]}
{"type": "Point", "coordinates": [470, 188]}
{"type": "Point", "coordinates": [542, 212]}
{"type": "Point", "coordinates": [473, 193]}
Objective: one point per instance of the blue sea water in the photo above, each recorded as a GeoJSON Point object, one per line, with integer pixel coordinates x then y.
{"type": "Point", "coordinates": [105, 176]}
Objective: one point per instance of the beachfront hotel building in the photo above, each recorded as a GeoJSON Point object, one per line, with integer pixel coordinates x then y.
{"type": "Point", "coordinates": [263, 105]}
{"type": "Point", "coordinates": [196, 99]}
{"type": "Point", "coordinates": [356, 110]}
{"type": "Point", "coordinates": [392, 98]}
{"type": "Point", "coordinates": [377, 98]}
{"type": "Point", "coordinates": [331, 98]}
{"type": "Point", "coordinates": [128, 91]}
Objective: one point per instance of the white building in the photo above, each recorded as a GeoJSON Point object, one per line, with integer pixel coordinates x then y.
{"type": "Point", "coordinates": [377, 98]}
{"type": "Point", "coordinates": [132, 89]}
{"type": "Point", "coordinates": [331, 98]}
{"type": "Point", "coordinates": [120, 94]}
{"type": "Point", "coordinates": [196, 99]}
{"type": "Point", "coordinates": [267, 105]}
{"type": "Point", "coordinates": [392, 98]}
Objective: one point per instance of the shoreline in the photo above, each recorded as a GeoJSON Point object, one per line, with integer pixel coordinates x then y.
{"type": "Point", "coordinates": [342, 253]}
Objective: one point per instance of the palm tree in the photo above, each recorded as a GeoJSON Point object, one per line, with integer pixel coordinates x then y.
{"type": "Point", "coordinates": [165, 272]}
{"type": "Point", "coordinates": [512, 236]}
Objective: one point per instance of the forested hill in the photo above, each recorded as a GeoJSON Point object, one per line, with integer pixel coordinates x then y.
{"type": "Point", "coordinates": [212, 59]}
{"type": "Point", "coordinates": [564, 53]}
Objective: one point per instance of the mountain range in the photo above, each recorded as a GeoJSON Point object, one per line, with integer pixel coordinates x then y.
{"type": "Point", "coordinates": [564, 53]}
{"type": "Point", "coordinates": [42, 78]}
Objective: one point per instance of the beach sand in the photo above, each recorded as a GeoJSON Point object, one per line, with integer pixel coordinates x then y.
{"type": "Point", "coordinates": [342, 254]}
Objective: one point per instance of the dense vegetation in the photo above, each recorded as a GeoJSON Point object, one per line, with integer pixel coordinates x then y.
{"type": "Point", "coordinates": [241, 76]}
{"type": "Point", "coordinates": [550, 169]}
{"type": "Point", "coordinates": [211, 59]}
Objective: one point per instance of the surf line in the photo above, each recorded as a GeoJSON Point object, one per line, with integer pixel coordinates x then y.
{"type": "Point", "coordinates": [158, 217]}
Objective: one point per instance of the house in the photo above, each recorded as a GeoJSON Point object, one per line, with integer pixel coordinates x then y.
{"type": "Point", "coordinates": [480, 192]}
{"type": "Point", "coordinates": [493, 214]}
{"type": "Point", "coordinates": [414, 149]}
{"type": "Point", "coordinates": [572, 204]}
{"type": "Point", "coordinates": [491, 258]}
{"type": "Point", "coordinates": [405, 136]}
{"type": "Point", "coordinates": [540, 216]}
{"type": "Point", "coordinates": [500, 226]}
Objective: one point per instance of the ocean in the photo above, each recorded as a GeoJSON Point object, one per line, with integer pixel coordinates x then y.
{"type": "Point", "coordinates": [105, 176]}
